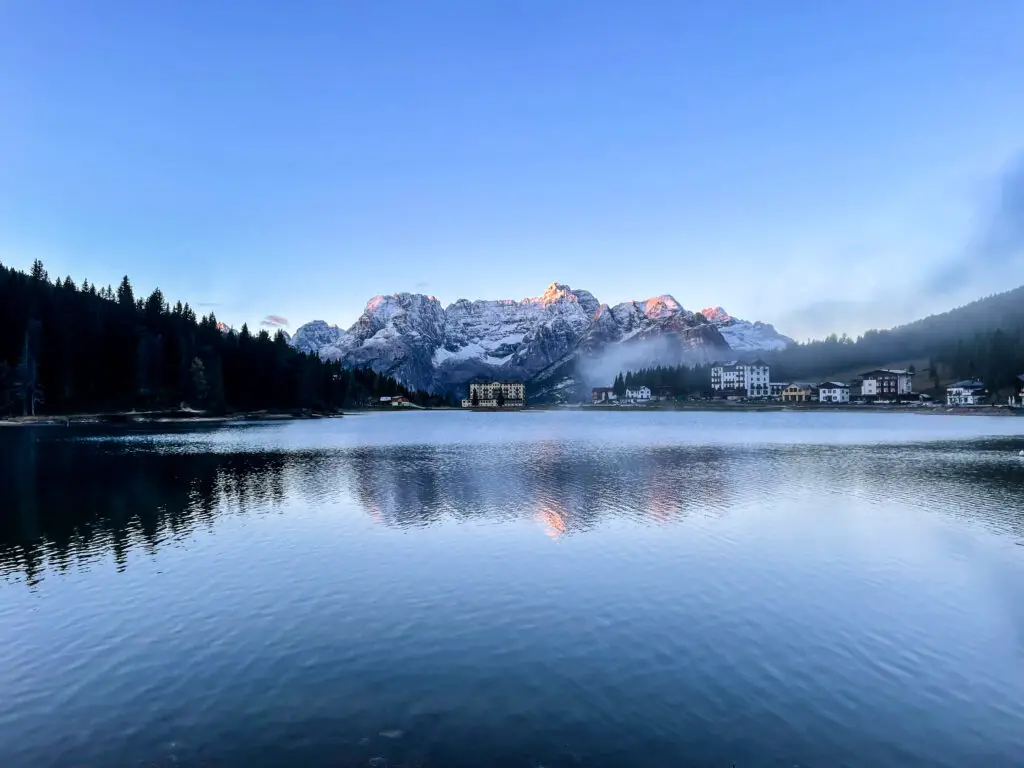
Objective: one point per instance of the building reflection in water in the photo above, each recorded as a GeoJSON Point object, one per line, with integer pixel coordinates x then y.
{"type": "Point", "coordinates": [68, 501]}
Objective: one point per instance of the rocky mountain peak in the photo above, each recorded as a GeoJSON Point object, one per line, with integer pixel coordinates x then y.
{"type": "Point", "coordinates": [744, 336]}
{"type": "Point", "coordinates": [716, 314]}
{"type": "Point", "coordinates": [411, 337]}
{"type": "Point", "coordinates": [556, 292]}
{"type": "Point", "coordinates": [659, 307]}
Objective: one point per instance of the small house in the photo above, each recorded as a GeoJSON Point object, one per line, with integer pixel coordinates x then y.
{"type": "Point", "coordinates": [833, 392]}
{"type": "Point", "coordinates": [798, 392]}
{"type": "Point", "coordinates": [638, 395]}
{"type": "Point", "coordinates": [967, 392]}
{"type": "Point", "coordinates": [600, 395]}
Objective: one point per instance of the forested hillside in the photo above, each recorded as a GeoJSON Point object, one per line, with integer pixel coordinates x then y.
{"type": "Point", "coordinates": [674, 380]}
{"type": "Point", "coordinates": [983, 339]}
{"type": "Point", "coordinates": [67, 348]}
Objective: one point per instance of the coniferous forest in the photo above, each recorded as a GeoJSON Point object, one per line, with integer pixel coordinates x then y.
{"type": "Point", "coordinates": [67, 348]}
{"type": "Point", "coordinates": [982, 340]}
{"type": "Point", "coordinates": [673, 380]}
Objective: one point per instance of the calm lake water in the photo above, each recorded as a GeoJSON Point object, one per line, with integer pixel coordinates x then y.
{"type": "Point", "coordinates": [531, 589]}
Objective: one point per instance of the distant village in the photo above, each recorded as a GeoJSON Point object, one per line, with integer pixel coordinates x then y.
{"type": "Point", "coordinates": [743, 382]}
{"type": "Point", "coordinates": [735, 381]}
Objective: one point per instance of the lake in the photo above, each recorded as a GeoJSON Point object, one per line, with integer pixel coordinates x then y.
{"type": "Point", "coordinates": [529, 589]}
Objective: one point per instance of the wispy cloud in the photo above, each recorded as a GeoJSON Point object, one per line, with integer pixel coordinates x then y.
{"type": "Point", "coordinates": [422, 284]}
{"type": "Point", "coordinates": [991, 259]}
{"type": "Point", "coordinates": [998, 246]}
{"type": "Point", "coordinates": [274, 321]}
{"type": "Point", "coordinates": [209, 304]}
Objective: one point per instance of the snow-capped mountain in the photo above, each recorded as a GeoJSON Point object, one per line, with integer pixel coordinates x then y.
{"type": "Point", "coordinates": [425, 346]}
{"type": "Point", "coordinates": [744, 336]}
{"type": "Point", "coordinates": [316, 335]}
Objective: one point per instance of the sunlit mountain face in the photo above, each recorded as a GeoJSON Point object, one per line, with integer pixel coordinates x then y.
{"type": "Point", "coordinates": [426, 346]}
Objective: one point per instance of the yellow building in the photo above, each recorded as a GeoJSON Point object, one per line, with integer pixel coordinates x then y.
{"type": "Point", "coordinates": [798, 393]}
{"type": "Point", "coordinates": [485, 394]}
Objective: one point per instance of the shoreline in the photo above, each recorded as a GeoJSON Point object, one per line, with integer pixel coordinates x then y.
{"type": "Point", "coordinates": [177, 416]}
{"type": "Point", "coordinates": [938, 410]}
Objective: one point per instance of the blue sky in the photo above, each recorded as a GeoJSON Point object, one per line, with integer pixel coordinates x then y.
{"type": "Point", "coordinates": [813, 164]}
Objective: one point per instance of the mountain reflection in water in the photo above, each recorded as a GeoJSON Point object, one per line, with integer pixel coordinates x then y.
{"type": "Point", "coordinates": [72, 498]}
{"type": "Point", "coordinates": [457, 590]}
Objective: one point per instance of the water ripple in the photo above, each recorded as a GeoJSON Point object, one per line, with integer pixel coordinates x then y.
{"type": "Point", "coordinates": [648, 589]}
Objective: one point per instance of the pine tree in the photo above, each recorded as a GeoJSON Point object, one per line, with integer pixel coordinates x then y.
{"type": "Point", "coordinates": [6, 387]}
{"type": "Point", "coordinates": [38, 273]}
{"type": "Point", "coordinates": [125, 294]}
{"type": "Point", "coordinates": [155, 304]}
{"type": "Point", "coordinates": [92, 349]}
{"type": "Point", "coordinates": [200, 388]}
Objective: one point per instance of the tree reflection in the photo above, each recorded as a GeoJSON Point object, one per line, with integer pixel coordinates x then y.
{"type": "Point", "coordinates": [68, 500]}
{"type": "Point", "coordinates": [76, 500]}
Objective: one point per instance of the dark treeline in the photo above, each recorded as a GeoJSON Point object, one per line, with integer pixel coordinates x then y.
{"type": "Point", "coordinates": [983, 339]}
{"type": "Point", "coordinates": [67, 348]}
{"type": "Point", "coordinates": [674, 380]}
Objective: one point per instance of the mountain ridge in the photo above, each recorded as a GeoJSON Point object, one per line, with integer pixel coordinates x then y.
{"type": "Point", "coordinates": [411, 337]}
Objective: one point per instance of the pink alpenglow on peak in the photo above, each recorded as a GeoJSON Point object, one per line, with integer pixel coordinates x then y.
{"type": "Point", "coordinates": [426, 346]}
{"type": "Point", "coordinates": [555, 292]}
{"type": "Point", "coordinates": [716, 314]}
{"type": "Point", "coordinates": [560, 292]}
{"type": "Point", "coordinates": [659, 307]}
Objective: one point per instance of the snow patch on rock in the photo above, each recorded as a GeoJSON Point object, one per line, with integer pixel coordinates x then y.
{"type": "Point", "coordinates": [424, 346]}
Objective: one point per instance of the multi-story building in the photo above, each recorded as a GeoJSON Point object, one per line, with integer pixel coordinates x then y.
{"type": "Point", "coordinates": [966, 393]}
{"type": "Point", "coordinates": [734, 376]}
{"type": "Point", "coordinates": [886, 384]}
{"type": "Point", "coordinates": [775, 388]}
{"type": "Point", "coordinates": [833, 392]}
{"type": "Point", "coordinates": [485, 394]}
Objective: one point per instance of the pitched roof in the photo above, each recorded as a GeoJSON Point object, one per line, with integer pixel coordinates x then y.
{"type": "Point", "coordinates": [967, 384]}
{"type": "Point", "coordinates": [833, 385]}
{"type": "Point", "coordinates": [891, 371]}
